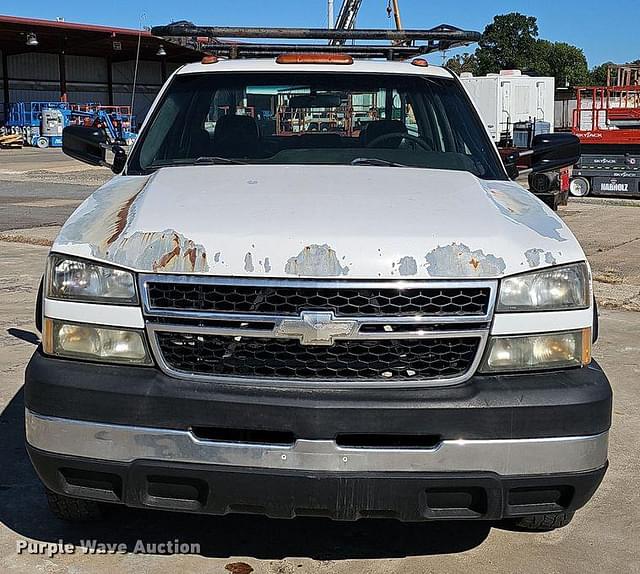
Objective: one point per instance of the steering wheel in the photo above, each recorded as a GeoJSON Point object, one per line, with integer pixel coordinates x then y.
{"type": "Point", "coordinates": [415, 139]}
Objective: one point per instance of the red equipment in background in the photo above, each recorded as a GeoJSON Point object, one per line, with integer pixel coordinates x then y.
{"type": "Point", "coordinates": [607, 121]}
{"type": "Point", "coordinates": [607, 115]}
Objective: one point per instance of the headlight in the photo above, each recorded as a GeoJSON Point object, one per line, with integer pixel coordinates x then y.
{"type": "Point", "coordinates": [538, 352]}
{"type": "Point", "coordinates": [555, 289]}
{"type": "Point", "coordinates": [85, 281]}
{"type": "Point", "coordinates": [94, 343]}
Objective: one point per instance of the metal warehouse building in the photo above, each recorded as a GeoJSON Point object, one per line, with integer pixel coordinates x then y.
{"type": "Point", "coordinates": [43, 60]}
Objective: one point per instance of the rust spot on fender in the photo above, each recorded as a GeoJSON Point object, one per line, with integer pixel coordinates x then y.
{"type": "Point", "coordinates": [534, 257]}
{"type": "Point", "coordinates": [122, 216]}
{"type": "Point", "coordinates": [191, 254]}
{"type": "Point", "coordinates": [158, 251]}
{"type": "Point", "coordinates": [166, 258]}
{"type": "Point", "coordinates": [316, 261]}
{"type": "Point", "coordinates": [458, 260]}
{"type": "Point", "coordinates": [407, 266]}
{"type": "Point", "coordinates": [248, 263]}
{"type": "Point", "coordinates": [105, 215]}
{"type": "Point", "coordinates": [103, 224]}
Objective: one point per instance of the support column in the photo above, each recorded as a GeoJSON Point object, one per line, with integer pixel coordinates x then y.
{"type": "Point", "coordinates": [163, 69]}
{"type": "Point", "coordinates": [63, 77]}
{"type": "Point", "coordinates": [5, 84]}
{"type": "Point", "coordinates": [110, 80]}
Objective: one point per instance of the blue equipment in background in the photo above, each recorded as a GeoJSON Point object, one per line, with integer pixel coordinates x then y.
{"type": "Point", "coordinates": [41, 123]}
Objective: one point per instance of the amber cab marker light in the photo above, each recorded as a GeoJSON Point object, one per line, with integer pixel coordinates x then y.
{"type": "Point", "coordinates": [420, 62]}
{"type": "Point", "coordinates": [210, 59]}
{"type": "Point", "coordinates": [339, 59]}
{"type": "Point", "coordinates": [47, 336]}
{"type": "Point", "coordinates": [586, 346]}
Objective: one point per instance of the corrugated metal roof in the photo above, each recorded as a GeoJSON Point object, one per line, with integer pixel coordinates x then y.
{"type": "Point", "coordinates": [87, 40]}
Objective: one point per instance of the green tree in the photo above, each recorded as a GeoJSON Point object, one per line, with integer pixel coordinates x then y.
{"type": "Point", "coordinates": [568, 65]}
{"type": "Point", "coordinates": [540, 59]}
{"type": "Point", "coordinates": [507, 43]}
{"type": "Point", "coordinates": [598, 75]}
{"type": "Point", "coordinates": [511, 42]}
{"type": "Point", "coordinates": [463, 63]}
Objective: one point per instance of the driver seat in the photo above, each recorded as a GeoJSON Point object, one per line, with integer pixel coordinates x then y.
{"type": "Point", "coordinates": [379, 128]}
{"type": "Point", "coordinates": [236, 137]}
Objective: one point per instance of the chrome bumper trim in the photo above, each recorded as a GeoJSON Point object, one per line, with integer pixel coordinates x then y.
{"type": "Point", "coordinates": [121, 443]}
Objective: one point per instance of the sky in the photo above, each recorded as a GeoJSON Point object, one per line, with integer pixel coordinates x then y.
{"type": "Point", "coordinates": [604, 36]}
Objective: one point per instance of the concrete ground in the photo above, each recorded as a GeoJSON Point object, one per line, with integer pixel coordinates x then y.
{"type": "Point", "coordinates": [609, 233]}
{"type": "Point", "coordinates": [602, 538]}
{"type": "Point", "coordinates": [29, 164]}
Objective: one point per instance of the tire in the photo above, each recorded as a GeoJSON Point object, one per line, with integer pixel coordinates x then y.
{"type": "Point", "coordinates": [42, 142]}
{"type": "Point", "coordinates": [73, 509]}
{"type": "Point", "coordinates": [543, 522]}
{"type": "Point", "coordinates": [579, 187]}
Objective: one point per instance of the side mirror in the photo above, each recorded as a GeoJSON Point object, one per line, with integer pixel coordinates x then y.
{"type": "Point", "coordinates": [554, 151]}
{"type": "Point", "coordinates": [119, 159]}
{"type": "Point", "coordinates": [90, 145]}
{"type": "Point", "coordinates": [85, 144]}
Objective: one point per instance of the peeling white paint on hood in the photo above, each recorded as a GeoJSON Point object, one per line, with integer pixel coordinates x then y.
{"type": "Point", "coordinates": [318, 221]}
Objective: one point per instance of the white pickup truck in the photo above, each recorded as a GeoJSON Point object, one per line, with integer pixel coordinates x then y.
{"type": "Point", "coordinates": [372, 322]}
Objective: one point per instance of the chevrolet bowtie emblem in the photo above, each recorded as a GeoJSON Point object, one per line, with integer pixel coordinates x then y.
{"type": "Point", "coordinates": [316, 328]}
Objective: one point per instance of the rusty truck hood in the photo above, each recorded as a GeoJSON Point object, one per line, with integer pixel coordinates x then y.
{"type": "Point", "coordinates": [317, 221]}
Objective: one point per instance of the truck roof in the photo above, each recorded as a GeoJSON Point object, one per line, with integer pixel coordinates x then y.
{"type": "Point", "coordinates": [358, 66]}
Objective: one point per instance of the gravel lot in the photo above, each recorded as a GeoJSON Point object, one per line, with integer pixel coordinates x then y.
{"type": "Point", "coordinates": [40, 189]}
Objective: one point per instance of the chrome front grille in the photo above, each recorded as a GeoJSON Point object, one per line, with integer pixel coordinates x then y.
{"type": "Point", "coordinates": [302, 332]}
{"type": "Point", "coordinates": [343, 301]}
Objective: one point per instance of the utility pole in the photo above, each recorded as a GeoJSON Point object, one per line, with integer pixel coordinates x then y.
{"type": "Point", "coordinates": [330, 18]}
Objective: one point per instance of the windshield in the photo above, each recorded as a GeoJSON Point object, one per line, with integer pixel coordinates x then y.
{"type": "Point", "coordinates": [340, 119]}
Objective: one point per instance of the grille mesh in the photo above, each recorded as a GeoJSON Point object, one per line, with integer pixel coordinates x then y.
{"type": "Point", "coordinates": [470, 301]}
{"type": "Point", "coordinates": [386, 359]}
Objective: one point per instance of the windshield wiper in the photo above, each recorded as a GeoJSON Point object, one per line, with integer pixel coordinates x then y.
{"type": "Point", "coordinates": [376, 161]}
{"type": "Point", "coordinates": [217, 160]}
{"type": "Point", "coordinates": [203, 160]}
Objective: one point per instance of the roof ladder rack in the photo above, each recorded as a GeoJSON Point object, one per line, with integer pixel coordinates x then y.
{"type": "Point", "coordinates": [404, 43]}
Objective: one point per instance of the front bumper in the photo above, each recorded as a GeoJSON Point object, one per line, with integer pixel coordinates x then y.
{"type": "Point", "coordinates": [278, 493]}
{"type": "Point", "coordinates": [503, 445]}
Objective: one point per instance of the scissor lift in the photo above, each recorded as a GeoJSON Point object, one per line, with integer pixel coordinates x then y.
{"type": "Point", "coordinates": [607, 121]}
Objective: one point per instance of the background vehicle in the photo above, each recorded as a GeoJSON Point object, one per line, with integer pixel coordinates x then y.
{"type": "Point", "coordinates": [607, 121]}
{"type": "Point", "coordinates": [40, 124]}
{"type": "Point", "coordinates": [510, 99]}
{"type": "Point", "coordinates": [516, 108]}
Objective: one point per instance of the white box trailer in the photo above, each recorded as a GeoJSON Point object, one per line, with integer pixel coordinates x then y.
{"type": "Point", "coordinates": [511, 97]}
